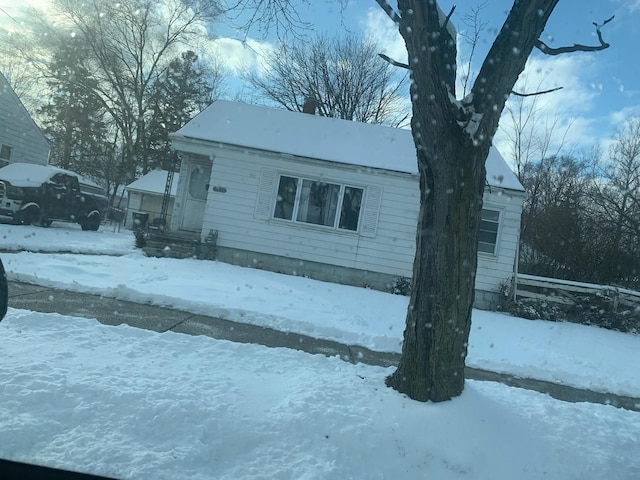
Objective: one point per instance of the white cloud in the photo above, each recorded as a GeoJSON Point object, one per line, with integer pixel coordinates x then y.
{"type": "Point", "coordinates": [619, 117]}
{"type": "Point", "coordinates": [238, 56]}
{"type": "Point", "coordinates": [570, 73]}
{"type": "Point", "coordinates": [566, 115]}
{"type": "Point", "coordinates": [13, 13]}
{"type": "Point", "coordinates": [379, 28]}
{"type": "Point", "coordinates": [631, 5]}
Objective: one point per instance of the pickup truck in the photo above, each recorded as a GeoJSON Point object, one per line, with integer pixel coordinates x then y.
{"type": "Point", "coordinates": [40, 194]}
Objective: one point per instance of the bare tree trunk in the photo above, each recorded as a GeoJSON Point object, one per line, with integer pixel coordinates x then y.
{"type": "Point", "coordinates": [452, 141]}
{"type": "Point", "coordinates": [439, 316]}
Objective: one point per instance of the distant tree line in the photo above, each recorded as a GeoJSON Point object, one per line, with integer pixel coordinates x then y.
{"type": "Point", "coordinates": [581, 219]}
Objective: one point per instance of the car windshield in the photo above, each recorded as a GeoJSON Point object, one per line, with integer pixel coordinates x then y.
{"type": "Point", "coordinates": [321, 240]}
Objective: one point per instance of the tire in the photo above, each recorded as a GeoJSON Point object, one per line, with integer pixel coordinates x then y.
{"type": "Point", "coordinates": [91, 222]}
{"type": "Point", "coordinates": [28, 216]}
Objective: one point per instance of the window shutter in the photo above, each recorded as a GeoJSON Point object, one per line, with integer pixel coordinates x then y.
{"type": "Point", "coordinates": [371, 211]}
{"type": "Point", "coordinates": [265, 194]}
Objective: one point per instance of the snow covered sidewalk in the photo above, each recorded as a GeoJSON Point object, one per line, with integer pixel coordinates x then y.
{"type": "Point", "coordinates": [116, 312]}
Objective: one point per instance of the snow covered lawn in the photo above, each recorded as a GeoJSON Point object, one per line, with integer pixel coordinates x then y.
{"type": "Point", "coordinates": [135, 404]}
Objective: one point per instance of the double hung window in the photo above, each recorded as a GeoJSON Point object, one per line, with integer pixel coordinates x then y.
{"type": "Point", "coordinates": [488, 237]}
{"type": "Point", "coordinates": [318, 203]}
{"type": "Point", "coordinates": [5, 154]}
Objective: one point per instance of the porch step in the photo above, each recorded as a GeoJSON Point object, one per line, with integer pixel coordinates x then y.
{"type": "Point", "coordinates": [177, 245]}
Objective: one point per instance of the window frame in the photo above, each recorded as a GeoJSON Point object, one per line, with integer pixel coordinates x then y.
{"type": "Point", "coordinates": [498, 224]}
{"type": "Point", "coordinates": [300, 179]}
{"type": "Point", "coordinates": [5, 152]}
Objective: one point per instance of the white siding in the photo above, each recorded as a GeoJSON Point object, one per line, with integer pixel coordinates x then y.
{"type": "Point", "coordinates": [234, 211]}
{"type": "Point", "coordinates": [495, 269]}
{"type": "Point", "coordinates": [19, 131]}
{"type": "Point", "coordinates": [233, 214]}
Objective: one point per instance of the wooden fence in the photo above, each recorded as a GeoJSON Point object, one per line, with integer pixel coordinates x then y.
{"type": "Point", "coordinates": [566, 292]}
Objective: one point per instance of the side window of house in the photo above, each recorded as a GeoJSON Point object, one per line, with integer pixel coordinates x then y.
{"type": "Point", "coordinates": [350, 212]}
{"type": "Point", "coordinates": [318, 203]}
{"type": "Point", "coordinates": [488, 237]}
{"type": "Point", "coordinates": [5, 154]}
{"type": "Point", "coordinates": [287, 189]}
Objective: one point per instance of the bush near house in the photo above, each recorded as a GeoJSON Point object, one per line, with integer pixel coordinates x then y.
{"type": "Point", "coordinates": [401, 286]}
{"type": "Point", "coordinates": [589, 309]}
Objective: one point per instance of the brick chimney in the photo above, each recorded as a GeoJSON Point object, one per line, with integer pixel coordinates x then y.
{"type": "Point", "coordinates": [309, 105]}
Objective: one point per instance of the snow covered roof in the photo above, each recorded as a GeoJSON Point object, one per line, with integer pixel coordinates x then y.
{"type": "Point", "coordinates": [154, 182]}
{"type": "Point", "coordinates": [323, 138]}
{"type": "Point", "coordinates": [33, 175]}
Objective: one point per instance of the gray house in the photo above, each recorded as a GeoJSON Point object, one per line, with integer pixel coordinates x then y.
{"type": "Point", "coordinates": [331, 199]}
{"type": "Point", "coordinates": [20, 138]}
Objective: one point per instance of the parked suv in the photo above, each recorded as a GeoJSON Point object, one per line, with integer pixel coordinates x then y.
{"type": "Point", "coordinates": [40, 194]}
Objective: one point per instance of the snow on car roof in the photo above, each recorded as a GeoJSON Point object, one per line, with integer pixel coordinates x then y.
{"type": "Point", "coordinates": [33, 175]}
{"type": "Point", "coordinates": [324, 138]}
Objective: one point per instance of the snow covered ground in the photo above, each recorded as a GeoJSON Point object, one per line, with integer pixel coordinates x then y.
{"type": "Point", "coordinates": [135, 404]}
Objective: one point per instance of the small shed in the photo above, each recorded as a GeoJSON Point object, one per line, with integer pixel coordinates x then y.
{"type": "Point", "coordinates": [21, 140]}
{"type": "Point", "coordinates": [145, 196]}
{"type": "Point", "coordinates": [330, 199]}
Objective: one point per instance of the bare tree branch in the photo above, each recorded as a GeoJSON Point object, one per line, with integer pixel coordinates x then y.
{"type": "Point", "coordinates": [446, 20]}
{"type": "Point", "coordinates": [543, 92]}
{"type": "Point", "coordinates": [388, 9]}
{"type": "Point", "coordinates": [393, 62]}
{"type": "Point", "coordinates": [268, 15]}
{"type": "Point", "coordinates": [343, 75]}
{"type": "Point", "coordinates": [473, 21]}
{"type": "Point", "coordinates": [576, 47]}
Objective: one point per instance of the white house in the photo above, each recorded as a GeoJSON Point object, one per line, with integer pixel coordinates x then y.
{"type": "Point", "coordinates": [21, 141]}
{"type": "Point", "coordinates": [145, 196]}
{"type": "Point", "coordinates": [327, 198]}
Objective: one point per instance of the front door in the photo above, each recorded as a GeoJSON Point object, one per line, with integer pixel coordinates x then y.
{"type": "Point", "coordinates": [195, 201]}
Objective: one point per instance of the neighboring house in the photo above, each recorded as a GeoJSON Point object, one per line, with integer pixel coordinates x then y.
{"type": "Point", "coordinates": [21, 141]}
{"type": "Point", "coordinates": [145, 196]}
{"type": "Point", "coordinates": [330, 199]}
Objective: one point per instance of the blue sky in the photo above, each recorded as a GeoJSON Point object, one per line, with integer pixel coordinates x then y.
{"type": "Point", "coordinates": [599, 89]}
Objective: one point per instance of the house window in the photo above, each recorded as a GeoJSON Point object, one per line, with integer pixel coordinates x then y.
{"type": "Point", "coordinates": [287, 190]}
{"type": "Point", "coordinates": [350, 211]}
{"type": "Point", "coordinates": [199, 183]}
{"type": "Point", "coordinates": [5, 152]}
{"type": "Point", "coordinates": [318, 203]}
{"type": "Point", "coordinates": [488, 237]}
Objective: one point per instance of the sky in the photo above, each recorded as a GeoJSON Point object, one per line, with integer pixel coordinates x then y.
{"type": "Point", "coordinates": [135, 404]}
{"type": "Point", "coordinates": [600, 90]}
